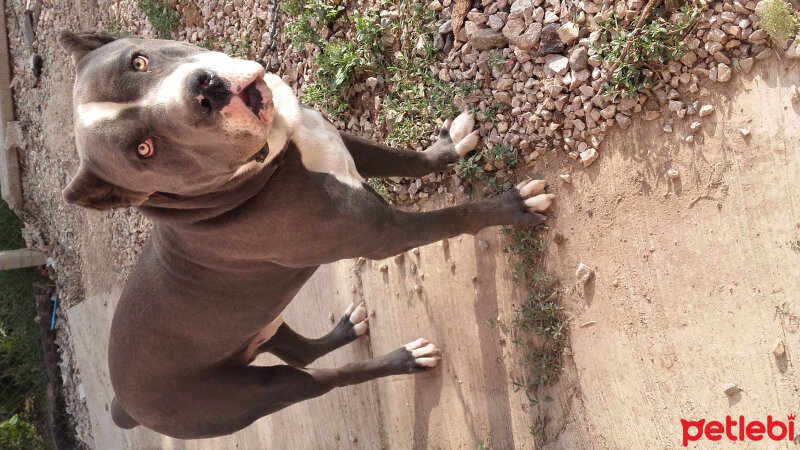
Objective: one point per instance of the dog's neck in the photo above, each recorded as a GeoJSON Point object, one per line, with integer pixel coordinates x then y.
{"type": "Point", "coordinates": [286, 115]}
{"type": "Point", "coordinates": [180, 208]}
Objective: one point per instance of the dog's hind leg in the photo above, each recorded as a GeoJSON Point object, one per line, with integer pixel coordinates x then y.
{"type": "Point", "coordinates": [456, 139]}
{"type": "Point", "coordinates": [300, 351]}
{"type": "Point", "coordinates": [121, 417]}
{"type": "Point", "coordinates": [232, 397]}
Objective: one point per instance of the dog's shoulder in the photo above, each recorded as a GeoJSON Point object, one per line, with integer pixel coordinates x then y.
{"type": "Point", "coordinates": [322, 149]}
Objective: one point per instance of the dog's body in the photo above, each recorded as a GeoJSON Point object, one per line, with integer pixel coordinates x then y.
{"type": "Point", "coordinates": [249, 193]}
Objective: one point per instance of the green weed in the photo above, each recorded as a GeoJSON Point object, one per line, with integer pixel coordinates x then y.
{"type": "Point", "coordinates": [778, 18]}
{"type": "Point", "coordinates": [380, 185]}
{"type": "Point", "coordinates": [22, 372]}
{"type": "Point", "coordinates": [538, 327]}
{"type": "Point", "coordinates": [505, 155]}
{"type": "Point", "coordinates": [161, 15]}
{"type": "Point", "coordinates": [654, 44]}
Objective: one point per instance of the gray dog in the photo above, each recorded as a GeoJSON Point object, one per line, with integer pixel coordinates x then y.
{"type": "Point", "coordinates": [250, 192]}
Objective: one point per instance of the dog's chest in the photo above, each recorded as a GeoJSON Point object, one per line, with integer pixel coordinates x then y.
{"type": "Point", "coordinates": [322, 150]}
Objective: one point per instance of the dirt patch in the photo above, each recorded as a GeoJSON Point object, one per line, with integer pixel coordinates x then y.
{"type": "Point", "coordinates": [687, 292]}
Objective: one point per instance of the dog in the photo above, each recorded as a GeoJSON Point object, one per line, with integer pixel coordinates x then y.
{"type": "Point", "coordinates": [249, 193]}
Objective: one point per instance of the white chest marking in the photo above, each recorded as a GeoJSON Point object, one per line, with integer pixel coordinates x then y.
{"type": "Point", "coordinates": [322, 150]}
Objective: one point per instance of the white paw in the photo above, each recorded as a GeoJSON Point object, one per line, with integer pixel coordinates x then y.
{"type": "Point", "coordinates": [461, 133]}
{"type": "Point", "coordinates": [357, 315]}
{"type": "Point", "coordinates": [425, 354]}
{"type": "Point", "coordinates": [530, 193]}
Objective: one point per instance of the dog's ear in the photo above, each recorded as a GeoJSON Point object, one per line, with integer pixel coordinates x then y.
{"type": "Point", "coordinates": [88, 190]}
{"type": "Point", "coordinates": [81, 43]}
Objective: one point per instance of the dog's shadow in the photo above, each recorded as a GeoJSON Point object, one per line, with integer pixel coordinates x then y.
{"type": "Point", "coordinates": [427, 394]}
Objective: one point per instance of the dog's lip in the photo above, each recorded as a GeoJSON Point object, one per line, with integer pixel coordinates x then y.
{"type": "Point", "coordinates": [257, 97]}
{"type": "Point", "coordinates": [261, 155]}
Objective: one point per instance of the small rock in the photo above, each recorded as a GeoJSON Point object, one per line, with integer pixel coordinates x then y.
{"type": "Point", "coordinates": [521, 6]}
{"type": "Point", "coordinates": [568, 32]}
{"type": "Point", "coordinates": [673, 174]}
{"type": "Point", "coordinates": [483, 244]}
{"type": "Point", "coordinates": [550, 42]}
{"type": "Point", "coordinates": [514, 28]}
{"type": "Point", "coordinates": [417, 288]}
{"type": "Point", "coordinates": [566, 178]}
{"type": "Point", "coordinates": [695, 126]}
{"type": "Point", "coordinates": [690, 139]}
{"type": "Point", "coordinates": [589, 156]}
{"type": "Point", "coordinates": [779, 349]}
{"type": "Point", "coordinates": [555, 65]}
{"type": "Point", "coordinates": [415, 251]}
{"type": "Point", "coordinates": [668, 128]}
{"type": "Point", "coordinates": [353, 438]}
{"type": "Point", "coordinates": [652, 115]}
{"type": "Point", "coordinates": [384, 268]}
{"type": "Point", "coordinates": [360, 261]}
{"type": "Point", "coordinates": [623, 120]}
{"type": "Point", "coordinates": [795, 94]}
{"type": "Point", "coordinates": [579, 58]}
{"type": "Point", "coordinates": [745, 132]}
{"type": "Point", "coordinates": [746, 64]}
{"type": "Point", "coordinates": [584, 273]}
{"type": "Point", "coordinates": [731, 389]}
{"type": "Point", "coordinates": [530, 37]}
{"type": "Point", "coordinates": [487, 39]}
{"type": "Point", "coordinates": [706, 110]}
{"type": "Point", "coordinates": [794, 49]}
{"type": "Point", "coordinates": [724, 73]}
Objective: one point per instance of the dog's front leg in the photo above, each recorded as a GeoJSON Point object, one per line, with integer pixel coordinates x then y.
{"type": "Point", "coordinates": [456, 139]}
{"type": "Point", "coordinates": [519, 206]}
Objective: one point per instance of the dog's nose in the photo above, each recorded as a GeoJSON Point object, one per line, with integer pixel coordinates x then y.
{"type": "Point", "coordinates": [214, 91]}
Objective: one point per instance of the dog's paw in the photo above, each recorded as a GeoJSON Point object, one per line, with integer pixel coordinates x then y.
{"type": "Point", "coordinates": [461, 133]}
{"type": "Point", "coordinates": [424, 353]}
{"type": "Point", "coordinates": [357, 316]}
{"type": "Point", "coordinates": [530, 191]}
{"type": "Point", "coordinates": [521, 205]}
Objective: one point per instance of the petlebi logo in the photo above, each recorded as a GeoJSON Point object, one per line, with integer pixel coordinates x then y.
{"type": "Point", "coordinates": [738, 430]}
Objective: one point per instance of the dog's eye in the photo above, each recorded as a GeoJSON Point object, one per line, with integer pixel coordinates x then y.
{"type": "Point", "coordinates": [146, 149]}
{"type": "Point", "coordinates": [140, 63]}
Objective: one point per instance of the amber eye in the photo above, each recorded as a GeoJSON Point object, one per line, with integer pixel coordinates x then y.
{"type": "Point", "coordinates": [145, 149]}
{"type": "Point", "coordinates": [140, 63]}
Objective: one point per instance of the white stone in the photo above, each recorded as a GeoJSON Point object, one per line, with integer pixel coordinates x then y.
{"type": "Point", "coordinates": [568, 32]}
{"type": "Point", "coordinates": [706, 110]}
{"type": "Point", "coordinates": [556, 65]}
{"type": "Point", "coordinates": [584, 273]}
{"type": "Point", "coordinates": [589, 156]}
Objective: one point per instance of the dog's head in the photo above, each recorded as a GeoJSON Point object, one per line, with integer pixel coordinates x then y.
{"type": "Point", "coordinates": [163, 116]}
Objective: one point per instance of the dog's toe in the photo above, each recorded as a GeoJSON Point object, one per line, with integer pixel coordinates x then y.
{"type": "Point", "coordinates": [357, 315]}
{"type": "Point", "coordinates": [425, 353]}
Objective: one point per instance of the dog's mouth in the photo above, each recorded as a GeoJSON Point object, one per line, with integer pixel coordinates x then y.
{"type": "Point", "coordinates": [258, 99]}
{"type": "Point", "coordinates": [261, 155]}
{"type": "Point", "coordinates": [252, 98]}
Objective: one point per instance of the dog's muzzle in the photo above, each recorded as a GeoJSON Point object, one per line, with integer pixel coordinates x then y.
{"type": "Point", "coordinates": [213, 91]}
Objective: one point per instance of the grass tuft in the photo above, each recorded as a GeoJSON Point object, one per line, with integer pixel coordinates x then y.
{"type": "Point", "coordinates": [161, 15]}
{"type": "Point", "coordinates": [653, 45]}
{"type": "Point", "coordinates": [778, 18]}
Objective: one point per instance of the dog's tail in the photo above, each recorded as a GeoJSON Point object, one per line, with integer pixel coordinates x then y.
{"type": "Point", "coordinates": [121, 417]}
